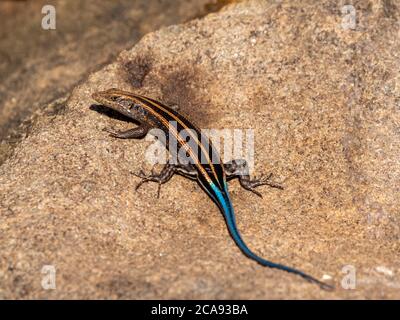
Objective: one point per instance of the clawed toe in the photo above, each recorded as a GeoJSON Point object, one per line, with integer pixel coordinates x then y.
{"type": "Point", "coordinates": [111, 132]}
{"type": "Point", "coordinates": [146, 178]}
{"type": "Point", "coordinates": [140, 183]}
{"type": "Point", "coordinates": [256, 192]}
{"type": "Point", "coordinates": [266, 178]}
{"type": "Point", "coordinates": [140, 174]}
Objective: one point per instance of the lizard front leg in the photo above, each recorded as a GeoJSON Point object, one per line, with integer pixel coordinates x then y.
{"type": "Point", "coordinates": [240, 169]}
{"type": "Point", "coordinates": [134, 133]}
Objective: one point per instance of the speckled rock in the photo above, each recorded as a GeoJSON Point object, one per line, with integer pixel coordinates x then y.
{"type": "Point", "coordinates": [323, 101]}
{"type": "Point", "coordinates": [39, 67]}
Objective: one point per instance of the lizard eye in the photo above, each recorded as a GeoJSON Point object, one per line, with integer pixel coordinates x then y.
{"type": "Point", "coordinates": [126, 104]}
{"type": "Point", "coordinates": [134, 105]}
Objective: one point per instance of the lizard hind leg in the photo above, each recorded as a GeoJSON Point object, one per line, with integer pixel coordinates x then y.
{"type": "Point", "coordinates": [240, 169]}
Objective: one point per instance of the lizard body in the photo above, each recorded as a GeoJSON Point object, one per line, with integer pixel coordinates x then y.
{"type": "Point", "coordinates": [205, 166]}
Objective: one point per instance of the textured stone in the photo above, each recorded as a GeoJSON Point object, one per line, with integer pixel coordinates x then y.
{"type": "Point", "coordinates": [324, 103]}
{"type": "Point", "coordinates": [38, 66]}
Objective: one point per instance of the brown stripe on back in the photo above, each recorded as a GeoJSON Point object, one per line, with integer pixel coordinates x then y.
{"type": "Point", "coordinates": [162, 111]}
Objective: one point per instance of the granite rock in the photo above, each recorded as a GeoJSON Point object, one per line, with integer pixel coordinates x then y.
{"type": "Point", "coordinates": [323, 100]}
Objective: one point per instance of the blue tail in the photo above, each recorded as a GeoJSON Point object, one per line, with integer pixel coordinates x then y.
{"type": "Point", "coordinates": [227, 210]}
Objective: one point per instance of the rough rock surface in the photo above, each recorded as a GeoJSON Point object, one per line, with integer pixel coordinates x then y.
{"type": "Point", "coordinates": [40, 66]}
{"type": "Point", "coordinates": [324, 103]}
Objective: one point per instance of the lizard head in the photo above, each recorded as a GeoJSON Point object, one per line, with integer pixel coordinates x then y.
{"type": "Point", "coordinates": [117, 100]}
